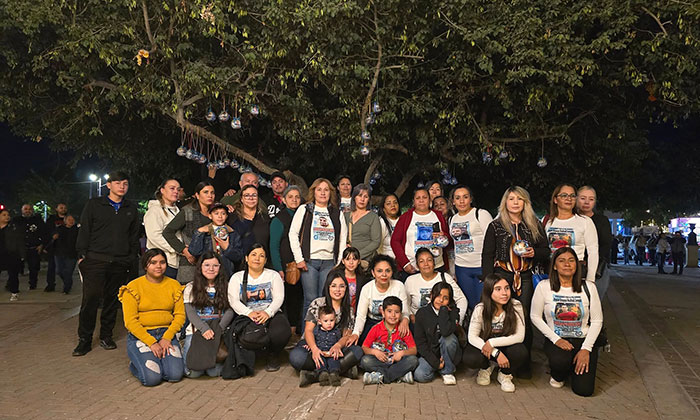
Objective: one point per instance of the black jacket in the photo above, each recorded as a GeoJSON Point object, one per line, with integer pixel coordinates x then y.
{"type": "Point", "coordinates": [34, 230]}
{"type": "Point", "coordinates": [426, 333]}
{"type": "Point", "coordinates": [64, 245]}
{"type": "Point", "coordinates": [497, 242]}
{"type": "Point", "coordinates": [108, 235]}
{"type": "Point", "coordinates": [53, 222]}
{"type": "Point", "coordinates": [13, 239]}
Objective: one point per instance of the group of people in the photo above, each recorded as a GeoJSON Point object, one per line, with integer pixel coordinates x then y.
{"type": "Point", "coordinates": [403, 296]}
{"type": "Point", "coordinates": [660, 248]}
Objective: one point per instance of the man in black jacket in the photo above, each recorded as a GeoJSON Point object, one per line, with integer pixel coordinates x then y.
{"type": "Point", "coordinates": [108, 245]}
{"type": "Point", "coordinates": [34, 241]}
{"type": "Point", "coordinates": [52, 225]}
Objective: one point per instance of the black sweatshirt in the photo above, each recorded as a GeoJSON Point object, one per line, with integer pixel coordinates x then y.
{"type": "Point", "coordinates": [108, 235]}
{"type": "Point", "coordinates": [428, 329]}
{"type": "Point", "coordinates": [34, 230]}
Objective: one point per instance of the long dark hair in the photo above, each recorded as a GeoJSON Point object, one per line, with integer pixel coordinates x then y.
{"type": "Point", "coordinates": [553, 210]}
{"type": "Point", "coordinates": [510, 321]}
{"type": "Point", "coordinates": [382, 214]}
{"type": "Point", "coordinates": [200, 297]}
{"type": "Point", "coordinates": [554, 281]}
{"type": "Point", "coordinates": [437, 288]}
{"type": "Point", "coordinates": [345, 307]}
{"type": "Point", "coordinates": [197, 189]}
{"type": "Point", "coordinates": [346, 253]}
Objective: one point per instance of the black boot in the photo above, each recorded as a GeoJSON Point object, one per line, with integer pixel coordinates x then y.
{"type": "Point", "coordinates": [83, 347]}
{"type": "Point", "coordinates": [307, 377]}
{"type": "Point", "coordinates": [348, 365]}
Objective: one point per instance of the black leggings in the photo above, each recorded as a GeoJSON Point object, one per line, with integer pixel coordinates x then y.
{"type": "Point", "coordinates": [525, 298]}
{"type": "Point", "coordinates": [517, 354]}
{"type": "Point", "coordinates": [561, 365]}
{"type": "Point", "coordinates": [279, 332]}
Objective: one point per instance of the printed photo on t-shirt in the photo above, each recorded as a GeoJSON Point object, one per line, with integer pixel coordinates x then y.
{"type": "Point", "coordinates": [424, 235]}
{"type": "Point", "coordinates": [322, 229]}
{"type": "Point", "coordinates": [208, 312]}
{"type": "Point", "coordinates": [424, 297]}
{"type": "Point", "coordinates": [568, 316]}
{"type": "Point", "coordinates": [462, 237]}
{"type": "Point", "coordinates": [374, 306]}
{"type": "Point", "coordinates": [560, 237]}
{"type": "Point", "coordinates": [259, 296]}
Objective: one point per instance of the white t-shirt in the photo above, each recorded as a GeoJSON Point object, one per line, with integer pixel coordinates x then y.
{"type": "Point", "coordinates": [497, 340]}
{"type": "Point", "coordinates": [468, 235]}
{"type": "Point", "coordinates": [579, 233]}
{"type": "Point", "coordinates": [420, 235]}
{"type": "Point", "coordinates": [385, 247]}
{"type": "Point", "coordinates": [345, 204]}
{"type": "Point", "coordinates": [567, 313]}
{"type": "Point", "coordinates": [205, 313]}
{"type": "Point", "coordinates": [371, 299]}
{"type": "Point", "coordinates": [418, 291]}
{"type": "Point", "coordinates": [322, 235]}
{"type": "Point", "coordinates": [265, 293]}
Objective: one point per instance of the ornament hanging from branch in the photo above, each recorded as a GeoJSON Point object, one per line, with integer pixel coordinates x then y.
{"type": "Point", "coordinates": [542, 161]}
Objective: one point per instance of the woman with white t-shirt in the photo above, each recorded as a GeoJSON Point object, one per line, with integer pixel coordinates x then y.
{"type": "Point", "coordinates": [389, 212]}
{"type": "Point", "coordinates": [573, 318]}
{"type": "Point", "coordinates": [418, 228]}
{"type": "Point", "coordinates": [372, 296]}
{"type": "Point", "coordinates": [317, 236]}
{"type": "Point", "coordinates": [467, 228]}
{"type": "Point", "coordinates": [419, 285]}
{"type": "Point", "coordinates": [564, 227]}
{"type": "Point", "coordinates": [206, 299]}
{"type": "Point", "coordinates": [344, 186]}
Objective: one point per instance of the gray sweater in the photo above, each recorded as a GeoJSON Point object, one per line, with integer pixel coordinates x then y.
{"type": "Point", "coordinates": [365, 234]}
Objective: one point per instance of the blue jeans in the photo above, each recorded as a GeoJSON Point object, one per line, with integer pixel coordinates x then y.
{"type": "Point", "coordinates": [329, 365]}
{"type": "Point", "coordinates": [390, 371]}
{"type": "Point", "coordinates": [65, 267]}
{"type": "Point", "coordinates": [149, 369]}
{"type": "Point", "coordinates": [468, 281]}
{"type": "Point", "coordinates": [603, 283]}
{"type": "Point", "coordinates": [450, 352]}
{"type": "Point", "coordinates": [213, 372]}
{"type": "Point", "coordinates": [301, 359]}
{"type": "Point", "coordinates": [313, 279]}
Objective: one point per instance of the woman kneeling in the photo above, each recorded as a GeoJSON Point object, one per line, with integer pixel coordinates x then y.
{"type": "Point", "coordinates": [153, 312]}
{"type": "Point", "coordinates": [496, 334]}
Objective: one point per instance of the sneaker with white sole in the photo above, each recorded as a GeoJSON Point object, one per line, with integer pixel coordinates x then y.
{"type": "Point", "coordinates": [483, 378]}
{"type": "Point", "coordinates": [506, 382]}
{"type": "Point", "coordinates": [14, 297]}
{"type": "Point", "coordinates": [555, 384]}
{"type": "Point", "coordinates": [371, 378]}
{"type": "Point", "coordinates": [407, 378]}
{"type": "Point", "coordinates": [449, 379]}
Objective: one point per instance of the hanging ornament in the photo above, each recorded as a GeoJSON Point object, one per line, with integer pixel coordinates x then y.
{"type": "Point", "coordinates": [420, 185]}
{"type": "Point", "coordinates": [202, 159]}
{"type": "Point", "coordinates": [226, 162]}
{"type": "Point", "coordinates": [376, 108]}
{"type": "Point", "coordinates": [254, 110]}
{"type": "Point", "coordinates": [445, 181]}
{"type": "Point", "coordinates": [190, 154]}
{"type": "Point", "coordinates": [234, 164]}
{"type": "Point", "coordinates": [486, 157]}
{"type": "Point", "coordinates": [365, 135]}
{"type": "Point", "coordinates": [369, 120]}
{"type": "Point", "coordinates": [181, 151]}
{"type": "Point", "coordinates": [542, 162]}
{"type": "Point", "coordinates": [211, 165]}
{"type": "Point", "coordinates": [372, 181]}
{"type": "Point", "coordinates": [444, 172]}
{"type": "Point", "coordinates": [236, 123]}
{"type": "Point", "coordinates": [453, 181]}
{"type": "Point", "coordinates": [224, 116]}
{"type": "Point", "coordinates": [364, 150]}
{"type": "Point", "coordinates": [503, 154]}
{"type": "Point", "coordinates": [377, 175]}
{"type": "Point", "coordinates": [241, 169]}
{"type": "Point", "coordinates": [211, 115]}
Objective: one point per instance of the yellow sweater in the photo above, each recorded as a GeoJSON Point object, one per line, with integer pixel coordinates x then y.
{"type": "Point", "coordinates": [148, 305]}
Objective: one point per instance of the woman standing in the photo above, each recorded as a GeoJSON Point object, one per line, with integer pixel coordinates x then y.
{"type": "Point", "coordinates": [573, 320]}
{"type": "Point", "coordinates": [566, 228]}
{"type": "Point", "coordinates": [418, 228]}
{"type": "Point", "coordinates": [441, 206]}
{"type": "Point", "coordinates": [11, 252]}
{"type": "Point", "coordinates": [344, 186]}
{"type": "Point", "coordinates": [513, 243]}
{"type": "Point", "coordinates": [496, 334]}
{"type": "Point", "coordinates": [468, 228]}
{"type": "Point", "coordinates": [178, 233]}
{"type": "Point", "coordinates": [281, 254]}
{"type": "Point", "coordinates": [153, 313]}
{"type": "Point", "coordinates": [435, 189]}
{"type": "Point", "coordinates": [364, 229]}
{"type": "Point", "coordinates": [306, 356]}
{"type": "Point", "coordinates": [250, 220]}
{"type": "Point", "coordinates": [315, 237]}
{"type": "Point", "coordinates": [389, 213]}
{"type": "Point", "coordinates": [258, 292]}
{"type": "Point", "coordinates": [162, 211]}
{"type": "Point", "coordinates": [585, 205]}
{"type": "Point", "coordinates": [206, 300]}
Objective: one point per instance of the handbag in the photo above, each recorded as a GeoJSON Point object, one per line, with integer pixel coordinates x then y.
{"type": "Point", "coordinates": [291, 273]}
{"type": "Point", "coordinates": [538, 274]}
{"type": "Point", "coordinates": [602, 339]}
{"type": "Point", "coordinates": [250, 335]}
{"type": "Point", "coordinates": [222, 351]}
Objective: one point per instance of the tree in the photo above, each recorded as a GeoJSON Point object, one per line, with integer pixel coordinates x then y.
{"type": "Point", "coordinates": [456, 80]}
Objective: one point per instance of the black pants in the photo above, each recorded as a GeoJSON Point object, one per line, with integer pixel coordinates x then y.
{"type": "Point", "coordinates": [279, 332]}
{"type": "Point", "coordinates": [517, 354]}
{"type": "Point", "coordinates": [33, 263]}
{"type": "Point", "coordinates": [293, 304]}
{"type": "Point", "coordinates": [661, 259]}
{"type": "Point", "coordinates": [11, 264]}
{"type": "Point", "coordinates": [678, 262]}
{"type": "Point", "coordinates": [101, 281]}
{"type": "Point", "coordinates": [525, 299]}
{"type": "Point", "coordinates": [561, 365]}
{"type": "Point", "coordinates": [641, 255]}
{"type": "Point", "coordinates": [51, 270]}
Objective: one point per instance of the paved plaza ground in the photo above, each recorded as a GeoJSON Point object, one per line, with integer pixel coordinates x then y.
{"type": "Point", "coordinates": [653, 371]}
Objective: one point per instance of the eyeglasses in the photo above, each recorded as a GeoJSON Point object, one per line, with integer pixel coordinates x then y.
{"type": "Point", "coordinates": [211, 266]}
{"type": "Point", "coordinates": [565, 196]}
{"type": "Point", "coordinates": [250, 196]}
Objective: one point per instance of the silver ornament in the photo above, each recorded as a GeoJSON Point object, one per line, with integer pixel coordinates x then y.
{"type": "Point", "coordinates": [503, 154]}
{"type": "Point", "coordinates": [372, 181]}
{"type": "Point", "coordinates": [211, 115]}
{"type": "Point", "coordinates": [364, 150]}
{"type": "Point", "coordinates": [190, 154]}
{"type": "Point", "coordinates": [365, 135]}
{"type": "Point", "coordinates": [236, 123]}
{"type": "Point", "coordinates": [486, 157]}
{"type": "Point", "coordinates": [520, 247]}
{"type": "Point", "coordinates": [226, 162]}
{"type": "Point", "coordinates": [369, 120]}
{"type": "Point", "coordinates": [234, 164]}
{"type": "Point", "coordinates": [224, 116]}
{"type": "Point", "coordinates": [542, 162]}
{"type": "Point", "coordinates": [376, 108]}
{"type": "Point", "coordinates": [254, 110]}
{"type": "Point", "coordinates": [181, 151]}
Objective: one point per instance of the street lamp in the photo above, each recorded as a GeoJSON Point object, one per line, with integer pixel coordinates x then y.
{"type": "Point", "coordinates": [95, 178]}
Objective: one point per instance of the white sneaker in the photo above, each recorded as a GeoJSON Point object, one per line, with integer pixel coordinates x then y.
{"type": "Point", "coordinates": [407, 378]}
{"type": "Point", "coordinates": [449, 379]}
{"type": "Point", "coordinates": [14, 297]}
{"type": "Point", "coordinates": [555, 384]}
{"type": "Point", "coordinates": [371, 378]}
{"type": "Point", "coordinates": [483, 378]}
{"type": "Point", "coordinates": [506, 382]}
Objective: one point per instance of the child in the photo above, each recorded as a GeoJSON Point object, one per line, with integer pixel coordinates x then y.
{"type": "Point", "coordinates": [388, 356]}
{"type": "Point", "coordinates": [326, 335]}
{"type": "Point", "coordinates": [65, 253]}
{"type": "Point", "coordinates": [218, 237]}
{"type": "Point", "coordinates": [436, 324]}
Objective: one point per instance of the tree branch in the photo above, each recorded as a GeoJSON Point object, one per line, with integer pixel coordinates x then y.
{"type": "Point", "coordinates": [372, 167]}
{"type": "Point", "coordinates": [100, 83]}
{"type": "Point", "coordinates": [403, 185]}
{"type": "Point", "coordinates": [147, 24]}
{"type": "Point", "coordinates": [375, 78]}
{"type": "Point", "coordinates": [661, 25]}
{"type": "Point", "coordinates": [192, 100]}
